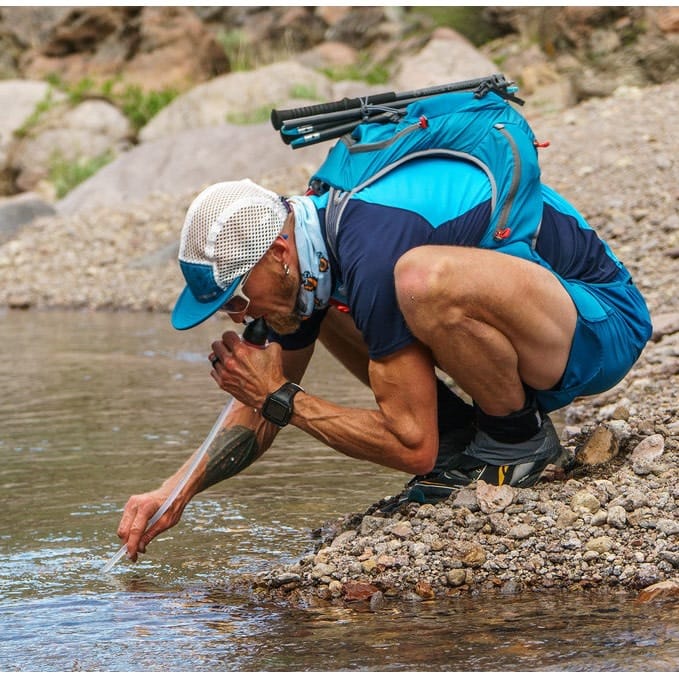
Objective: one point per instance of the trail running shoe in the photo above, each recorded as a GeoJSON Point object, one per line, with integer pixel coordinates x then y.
{"type": "Point", "coordinates": [540, 457]}
{"type": "Point", "coordinates": [452, 443]}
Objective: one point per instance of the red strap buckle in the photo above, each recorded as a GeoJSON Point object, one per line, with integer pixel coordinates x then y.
{"type": "Point", "coordinates": [339, 305]}
{"type": "Point", "coordinates": [541, 144]}
{"type": "Point", "coordinates": [501, 234]}
{"type": "Point", "coordinates": [424, 122]}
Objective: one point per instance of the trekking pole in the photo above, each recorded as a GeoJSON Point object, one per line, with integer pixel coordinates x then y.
{"type": "Point", "coordinates": [311, 124]}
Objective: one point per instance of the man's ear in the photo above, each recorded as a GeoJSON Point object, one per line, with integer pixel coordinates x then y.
{"type": "Point", "coordinates": [280, 248]}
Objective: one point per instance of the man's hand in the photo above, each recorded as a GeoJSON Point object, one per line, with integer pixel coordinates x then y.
{"type": "Point", "coordinates": [247, 372]}
{"type": "Point", "coordinates": [136, 515]}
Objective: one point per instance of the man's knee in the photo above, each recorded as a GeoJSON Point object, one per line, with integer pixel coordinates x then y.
{"type": "Point", "coordinates": [429, 279]}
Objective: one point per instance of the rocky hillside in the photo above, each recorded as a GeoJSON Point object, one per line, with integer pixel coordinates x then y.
{"type": "Point", "coordinates": [81, 86]}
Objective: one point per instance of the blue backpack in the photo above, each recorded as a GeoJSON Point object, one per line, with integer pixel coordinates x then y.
{"type": "Point", "coordinates": [476, 125]}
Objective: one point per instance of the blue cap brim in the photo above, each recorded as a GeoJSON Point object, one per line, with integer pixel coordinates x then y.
{"type": "Point", "coordinates": [189, 312]}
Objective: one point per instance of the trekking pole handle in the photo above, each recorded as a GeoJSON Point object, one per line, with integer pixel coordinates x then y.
{"type": "Point", "coordinates": [279, 116]}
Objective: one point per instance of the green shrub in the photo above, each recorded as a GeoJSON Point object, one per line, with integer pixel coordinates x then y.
{"type": "Point", "coordinates": [136, 104]}
{"type": "Point", "coordinates": [468, 21]}
{"type": "Point", "coordinates": [44, 105]}
{"type": "Point", "coordinates": [363, 70]}
{"type": "Point", "coordinates": [237, 49]}
{"type": "Point", "coordinates": [303, 91]}
{"type": "Point", "coordinates": [140, 106]}
{"type": "Point", "coordinates": [65, 174]}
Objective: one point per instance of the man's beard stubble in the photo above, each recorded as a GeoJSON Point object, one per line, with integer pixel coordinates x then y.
{"type": "Point", "coordinates": [283, 324]}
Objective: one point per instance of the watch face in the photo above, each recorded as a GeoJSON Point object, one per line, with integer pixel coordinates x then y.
{"type": "Point", "coordinates": [278, 405]}
{"type": "Point", "coordinates": [276, 411]}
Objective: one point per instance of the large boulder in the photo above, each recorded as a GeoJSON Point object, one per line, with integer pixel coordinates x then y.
{"type": "Point", "coordinates": [19, 100]}
{"type": "Point", "coordinates": [154, 47]}
{"type": "Point", "coordinates": [17, 211]}
{"type": "Point", "coordinates": [447, 57]}
{"type": "Point", "coordinates": [241, 94]}
{"type": "Point", "coordinates": [90, 130]}
{"type": "Point", "coordinates": [192, 159]}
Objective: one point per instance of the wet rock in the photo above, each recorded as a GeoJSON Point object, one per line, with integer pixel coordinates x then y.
{"type": "Point", "coordinates": [424, 590]}
{"type": "Point", "coordinates": [358, 591]}
{"type": "Point", "coordinates": [343, 538]}
{"type": "Point", "coordinates": [286, 578]}
{"type": "Point", "coordinates": [456, 577]}
{"type": "Point", "coordinates": [667, 589]}
{"type": "Point", "coordinates": [377, 601]}
{"type": "Point", "coordinates": [335, 588]}
{"type": "Point", "coordinates": [647, 574]}
{"type": "Point", "coordinates": [322, 570]}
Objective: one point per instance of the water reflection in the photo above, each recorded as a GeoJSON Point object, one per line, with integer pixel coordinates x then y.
{"type": "Point", "coordinates": [98, 406]}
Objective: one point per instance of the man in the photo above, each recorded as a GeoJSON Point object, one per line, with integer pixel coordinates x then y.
{"type": "Point", "coordinates": [408, 294]}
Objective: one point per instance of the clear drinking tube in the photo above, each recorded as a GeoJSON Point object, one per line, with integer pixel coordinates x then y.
{"type": "Point", "coordinates": [255, 333]}
{"type": "Point", "coordinates": [182, 482]}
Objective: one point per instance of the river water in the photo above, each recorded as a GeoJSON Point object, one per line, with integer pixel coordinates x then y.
{"type": "Point", "coordinates": [99, 406]}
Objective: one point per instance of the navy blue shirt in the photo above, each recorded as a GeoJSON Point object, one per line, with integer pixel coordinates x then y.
{"type": "Point", "coordinates": [403, 210]}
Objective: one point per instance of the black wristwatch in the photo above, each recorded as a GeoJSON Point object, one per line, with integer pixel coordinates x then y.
{"type": "Point", "coordinates": [278, 405]}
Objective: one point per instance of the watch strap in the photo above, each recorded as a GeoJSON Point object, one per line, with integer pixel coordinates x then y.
{"type": "Point", "coordinates": [278, 406]}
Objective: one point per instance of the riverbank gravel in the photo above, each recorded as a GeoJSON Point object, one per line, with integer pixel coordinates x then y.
{"type": "Point", "coordinates": [609, 524]}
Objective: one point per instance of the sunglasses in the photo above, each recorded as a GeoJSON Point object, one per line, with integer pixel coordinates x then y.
{"type": "Point", "coordinates": [238, 302]}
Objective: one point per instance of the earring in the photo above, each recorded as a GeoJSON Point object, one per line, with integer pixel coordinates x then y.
{"type": "Point", "coordinates": [286, 268]}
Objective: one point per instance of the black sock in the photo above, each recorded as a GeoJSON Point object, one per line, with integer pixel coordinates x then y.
{"type": "Point", "coordinates": [453, 412]}
{"type": "Point", "coordinates": [513, 428]}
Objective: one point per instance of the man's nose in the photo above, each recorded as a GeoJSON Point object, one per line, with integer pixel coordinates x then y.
{"type": "Point", "coordinates": [238, 316]}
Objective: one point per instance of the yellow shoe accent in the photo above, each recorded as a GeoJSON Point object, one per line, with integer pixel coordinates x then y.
{"type": "Point", "coordinates": [501, 473]}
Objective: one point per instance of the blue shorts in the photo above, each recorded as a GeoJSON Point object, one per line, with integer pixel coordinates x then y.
{"type": "Point", "coordinates": [612, 329]}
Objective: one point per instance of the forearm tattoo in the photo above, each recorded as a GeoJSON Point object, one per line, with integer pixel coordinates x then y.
{"type": "Point", "coordinates": [232, 451]}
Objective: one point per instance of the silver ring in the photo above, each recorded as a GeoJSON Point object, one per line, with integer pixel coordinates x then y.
{"type": "Point", "coordinates": [214, 361]}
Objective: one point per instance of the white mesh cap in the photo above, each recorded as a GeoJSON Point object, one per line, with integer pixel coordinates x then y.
{"type": "Point", "coordinates": [231, 225]}
{"type": "Point", "coordinates": [228, 229]}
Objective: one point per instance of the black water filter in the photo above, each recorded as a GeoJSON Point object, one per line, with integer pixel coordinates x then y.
{"type": "Point", "coordinates": [256, 332]}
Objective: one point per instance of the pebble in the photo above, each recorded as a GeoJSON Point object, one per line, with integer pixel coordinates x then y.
{"type": "Point", "coordinates": [616, 517]}
{"type": "Point", "coordinates": [585, 501]}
